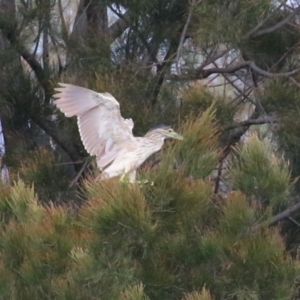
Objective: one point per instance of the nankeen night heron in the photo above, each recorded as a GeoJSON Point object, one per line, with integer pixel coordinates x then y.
{"type": "Point", "coordinates": [106, 134]}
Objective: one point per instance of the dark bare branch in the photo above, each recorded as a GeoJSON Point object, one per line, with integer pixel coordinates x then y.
{"type": "Point", "coordinates": [37, 69]}
{"type": "Point", "coordinates": [232, 83]}
{"type": "Point", "coordinates": [219, 176]}
{"type": "Point", "coordinates": [236, 136]}
{"type": "Point", "coordinates": [62, 20]}
{"type": "Point", "coordinates": [260, 24]}
{"type": "Point", "coordinates": [152, 49]}
{"type": "Point", "coordinates": [118, 27]}
{"type": "Point", "coordinates": [212, 58]}
{"type": "Point", "coordinates": [283, 215]}
{"type": "Point", "coordinates": [204, 73]}
{"type": "Point", "coordinates": [295, 82]}
{"type": "Point", "coordinates": [37, 39]}
{"type": "Point", "coordinates": [27, 56]}
{"type": "Point", "coordinates": [292, 220]}
{"type": "Point", "coordinates": [279, 24]}
{"type": "Point", "coordinates": [162, 71]}
{"type": "Point", "coordinates": [250, 122]}
{"type": "Point", "coordinates": [80, 22]}
{"type": "Point", "coordinates": [183, 35]}
{"type": "Point", "coordinates": [97, 18]}
{"type": "Point", "coordinates": [59, 139]}
{"type": "Point", "coordinates": [234, 139]}
{"type": "Point", "coordinates": [262, 72]}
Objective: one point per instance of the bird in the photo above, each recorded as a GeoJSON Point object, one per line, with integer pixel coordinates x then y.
{"type": "Point", "coordinates": [106, 134]}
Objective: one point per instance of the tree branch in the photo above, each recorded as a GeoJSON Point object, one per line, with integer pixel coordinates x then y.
{"type": "Point", "coordinates": [64, 27]}
{"type": "Point", "coordinates": [118, 27]}
{"type": "Point", "coordinates": [61, 141]}
{"type": "Point", "coordinates": [284, 214]}
{"type": "Point", "coordinates": [292, 220]}
{"type": "Point", "coordinates": [161, 73]}
{"type": "Point", "coordinates": [260, 24]}
{"type": "Point", "coordinates": [278, 25]}
{"type": "Point", "coordinates": [231, 82]}
{"type": "Point", "coordinates": [260, 71]}
{"type": "Point", "coordinates": [250, 122]}
{"type": "Point", "coordinates": [183, 35]}
{"type": "Point", "coordinates": [212, 58]}
{"type": "Point", "coordinates": [234, 139]}
{"type": "Point", "coordinates": [37, 69]}
{"type": "Point", "coordinates": [204, 73]}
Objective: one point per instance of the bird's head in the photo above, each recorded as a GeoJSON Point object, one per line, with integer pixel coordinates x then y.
{"type": "Point", "coordinates": [165, 132]}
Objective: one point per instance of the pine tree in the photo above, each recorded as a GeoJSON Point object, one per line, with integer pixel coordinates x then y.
{"type": "Point", "coordinates": [220, 220]}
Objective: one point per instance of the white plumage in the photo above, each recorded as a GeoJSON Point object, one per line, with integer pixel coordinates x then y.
{"type": "Point", "coordinates": [106, 134]}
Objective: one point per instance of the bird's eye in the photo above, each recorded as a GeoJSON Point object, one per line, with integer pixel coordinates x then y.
{"type": "Point", "coordinates": [170, 130]}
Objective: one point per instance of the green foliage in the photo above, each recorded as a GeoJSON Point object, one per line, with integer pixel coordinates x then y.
{"type": "Point", "coordinates": [175, 238]}
{"type": "Point", "coordinates": [163, 241]}
{"type": "Point", "coordinates": [289, 141]}
{"type": "Point", "coordinates": [34, 246]}
{"type": "Point", "coordinates": [169, 240]}
{"type": "Point", "coordinates": [230, 21]}
{"type": "Point", "coordinates": [258, 172]}
{"type": "Point", "coordinates": [50, 178]}
{"type": "Point", "coordinates": [244, 252]}
{"type": "Point", "coordinates": [281, 96]}
{"type": "Point", "coordinates": [135, 292]}
{"type": "Point", "coordinates": [197, 99]}
{"type": "Point", "coordinates": [203, 295]}
{"type": "Point", "coordinates": [266, 57]}
{"type": "Point", "coordinates": [198, 152]}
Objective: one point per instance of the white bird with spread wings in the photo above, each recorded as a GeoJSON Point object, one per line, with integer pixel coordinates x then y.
{"type": "Point", "coordinates": [106, 134]}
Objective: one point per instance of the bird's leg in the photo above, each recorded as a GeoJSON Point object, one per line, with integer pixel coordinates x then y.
{"type": "Point", "coordinates": [145, 181]}
{"type": "Point", "coordinates": [132, 176]}
{"type": "Point", "coordinates": [122, 178]}
{"type": "Point", "coordinates": [128, 177]}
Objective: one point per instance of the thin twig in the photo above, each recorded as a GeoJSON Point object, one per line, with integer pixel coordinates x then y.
{"type": "Point", "coordinates": [260, 24]}
{"type": "Point", "coordinates": [279, 24]}
{"type": "Point", "coordinates": [37, 39]}
{"type": "Point", "coordinates": [86, 163]}
{"type": "Point", "coordinates": [118, 27]}
{"type": "Point", "coordinates": [283, 215]}
{"type": "Point", "coordinates": [219, 175]}
{"type": "Point", "coordinates": [183, 35]}
{"type": "Point", "coordinates": [294, 81]}
{"type": "Point", "coordinates": [62, 19]}
{"type": "Point", "coordinates": [256, 92]}
{"type": "Point", "coordinates": [237, 88]}
{"type": "Point", "coordinates": [82, 13]}
{"type": "Point", "coordinates": [247, 92]}
{"type": "Point", "coordinates": [250, 122]}
{"type": "Point", "coordinates": [204, 73]}
{"type": "Point", "coordinates": [269, 74]}
{"type": "Point", "coordinates": [212, 59]}
{"type": "Point", "coordinates": [292, 220]}
{"type": "Point", "coordinates": [59, 139]}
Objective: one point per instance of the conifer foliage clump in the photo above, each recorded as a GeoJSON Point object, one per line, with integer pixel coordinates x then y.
{"type": "Point", "coordinates": [221, 219]}
{"type": "Point", "coordinates": [171, 240]}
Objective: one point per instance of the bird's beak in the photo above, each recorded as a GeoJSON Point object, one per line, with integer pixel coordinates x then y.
{"type": "Point", "coordinates": [177, 136]}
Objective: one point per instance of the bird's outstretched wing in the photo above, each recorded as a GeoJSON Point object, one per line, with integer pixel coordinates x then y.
{"type": "Point", "coordinates": [101, 126]}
